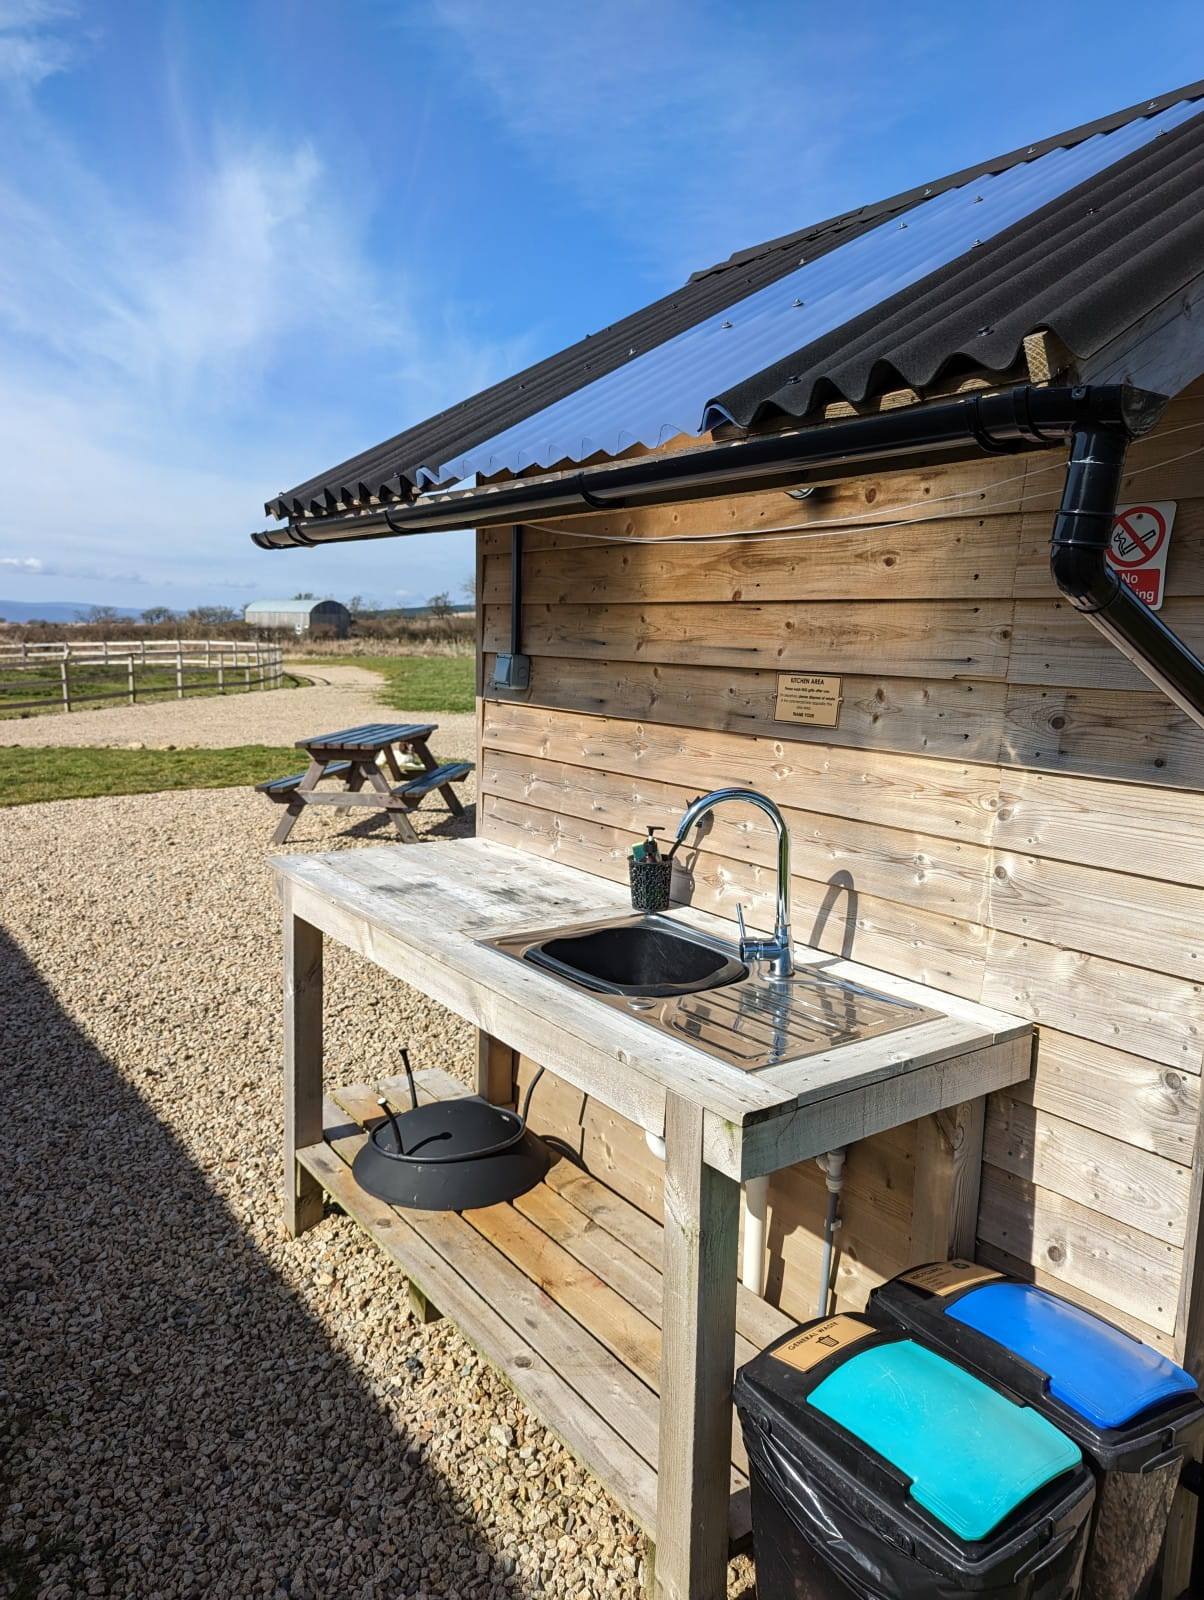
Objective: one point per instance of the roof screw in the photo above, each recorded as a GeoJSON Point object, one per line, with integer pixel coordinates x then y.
{"type": "Point", "coordinates": [978, 241]}
{"type": "Point", "coordinates": [1032, 149]}
{"type": "Point", "coordinates": [631, 349]}
{"type": "Point", "coordinates": [927, 191]}
{"type": "Point", "coordinates": [725, 324]}
{"type": "Point", "coordinates": [977, 199]}
{"type": "Point", "coordinates": [982, 332]}
{"type": "Point", "coordinates": [797, 302]}
{"type": "Point", "coordinates": [1091, 210]}
{"type": "Point", "coordinates": [902, 225]}
{"type": "Point", "coordinates": [793, 378]}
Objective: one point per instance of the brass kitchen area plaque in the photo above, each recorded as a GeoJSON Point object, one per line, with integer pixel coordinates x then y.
{"type": "Point", "coordinates": [809, 697]}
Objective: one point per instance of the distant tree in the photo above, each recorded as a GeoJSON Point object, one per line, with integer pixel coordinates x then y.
{"type": "Point", "coordinates": [356, 604]}
{"type": "Point", "coordinates": [99, 614]}
{"type": "Point", "coordinates": [440, 606]}
{"type": "Point", "coordinates": [305, 596]}
{"type": "Point", "coordinates": [154, 614]}
{"type": "Point", "coordinates": [211, 616]}
{"type": "Point", "coordinates": [469, 589]}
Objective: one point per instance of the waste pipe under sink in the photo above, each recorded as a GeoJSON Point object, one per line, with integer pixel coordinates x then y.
{"type": "Point", "coordinates": [756, 1209]}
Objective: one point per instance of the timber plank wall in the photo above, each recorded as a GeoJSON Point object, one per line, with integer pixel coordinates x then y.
{"type": "Point", "coordinates": [1007, 811]}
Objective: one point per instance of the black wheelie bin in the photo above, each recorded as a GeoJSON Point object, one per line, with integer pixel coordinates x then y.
{"type": "Point", "coordinates": [1132, 1412]}
{"type": "Point", "coordinates": [883, 1471]}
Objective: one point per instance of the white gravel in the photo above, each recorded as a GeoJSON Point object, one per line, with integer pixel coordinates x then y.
{"type": "Point", "coordinates": [196, 1406]}
{"type": "Point", "coordinates": [340, 697]}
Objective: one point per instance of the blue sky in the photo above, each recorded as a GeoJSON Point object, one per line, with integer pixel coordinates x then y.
{"type": "Point", "coordinates": [242, 241]}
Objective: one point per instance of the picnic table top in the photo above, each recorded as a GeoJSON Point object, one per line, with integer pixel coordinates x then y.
{"type": "Point", "coordinates": [369, 736]}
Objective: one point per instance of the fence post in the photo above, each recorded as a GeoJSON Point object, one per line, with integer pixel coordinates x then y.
{"type": "Point", "coordinates": [66, 686]}
{"type": "Point", "coordinates": [221, 674]}
{"type": "Point", "coordinates": [179, 669]}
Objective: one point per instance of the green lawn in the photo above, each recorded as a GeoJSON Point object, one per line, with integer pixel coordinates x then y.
{"type": "Point", "coordinates": [29, 775]}
{"type": "Point", "coordinates": [416, 683]}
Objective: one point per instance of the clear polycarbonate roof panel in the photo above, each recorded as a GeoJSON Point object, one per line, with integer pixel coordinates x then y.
{"type": "Point", "coordinates": [668, 391]}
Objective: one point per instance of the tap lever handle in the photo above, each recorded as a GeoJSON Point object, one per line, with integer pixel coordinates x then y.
{"type": "Point", "coordinates": [743, 929]}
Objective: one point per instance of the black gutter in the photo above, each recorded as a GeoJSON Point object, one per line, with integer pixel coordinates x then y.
{"type": "Point", "coordinates": [1081, 536]}
{"type": "Point", "coordinates": [1002, 423]}
{"type": "Point", "coordinates": [1098, 421]}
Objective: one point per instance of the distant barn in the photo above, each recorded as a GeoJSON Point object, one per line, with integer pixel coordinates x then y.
{"type": "Point", "coordinates": [300, 616]}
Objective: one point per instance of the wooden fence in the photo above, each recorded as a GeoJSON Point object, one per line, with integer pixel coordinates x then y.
{"type": "Point", "coordinates": [165, 667]}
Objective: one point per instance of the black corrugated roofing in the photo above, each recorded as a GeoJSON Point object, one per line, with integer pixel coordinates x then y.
{"type": "Point", "coordinates": [1087, 264]}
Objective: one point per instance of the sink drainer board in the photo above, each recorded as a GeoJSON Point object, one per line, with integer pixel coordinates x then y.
{"type": "Point", "coordinates": [559, 1290]}
{"type": "Point", "coordinates": [739, 1014]}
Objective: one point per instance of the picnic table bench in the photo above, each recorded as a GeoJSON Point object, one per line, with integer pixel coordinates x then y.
{"type": "Point", "coordinates": [355, 755]}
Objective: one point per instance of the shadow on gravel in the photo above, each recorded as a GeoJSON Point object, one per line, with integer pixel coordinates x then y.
{"type": "Point", "coordinates": [165, 1394]}
{"type": "Point", "coordinates": [379, 827]}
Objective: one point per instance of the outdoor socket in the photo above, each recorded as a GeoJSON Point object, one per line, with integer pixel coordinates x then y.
{"type": "Point", "coordinates": [512, 672]}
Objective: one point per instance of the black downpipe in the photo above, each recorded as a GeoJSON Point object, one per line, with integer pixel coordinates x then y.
{"type": "Point", "coordinates": [1081, 536]}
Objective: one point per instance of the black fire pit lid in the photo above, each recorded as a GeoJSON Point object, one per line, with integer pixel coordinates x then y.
{"type": "Point", "coordinates": [451, 1155]}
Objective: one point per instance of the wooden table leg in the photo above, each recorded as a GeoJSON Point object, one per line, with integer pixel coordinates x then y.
{"type": "Point", "coordinates": [303, 1198]}
{"type": "Point", "coordinates": [392, 805]}
{"type": "Point", "coordinates": [697, 1361]}
{"type": "Point", "coordinates": [450, 798]}
{"type": "Point", "coordinates": [355, 782]}
{"type": "Point", "coordinates": [297, 804]}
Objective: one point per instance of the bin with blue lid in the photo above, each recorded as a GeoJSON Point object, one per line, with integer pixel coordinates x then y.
{"type": "Point", "coordinates": [1131, 1410]}
{"type": "Point", "coordinates": [881, 1470]}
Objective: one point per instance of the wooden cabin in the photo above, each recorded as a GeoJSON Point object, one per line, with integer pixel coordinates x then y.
{"type": "Point", "coordinates": [984, 794]}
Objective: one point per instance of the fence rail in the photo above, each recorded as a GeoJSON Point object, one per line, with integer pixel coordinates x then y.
{"type": "Point", "coordinates": [164, 667]}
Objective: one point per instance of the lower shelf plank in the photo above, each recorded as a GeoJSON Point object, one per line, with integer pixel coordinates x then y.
{"type": "Point", "coordinates": [560, 1291]}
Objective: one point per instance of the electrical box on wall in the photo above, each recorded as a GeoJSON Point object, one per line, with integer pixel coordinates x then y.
{"type": "Point", "coordinates": [512, 672]}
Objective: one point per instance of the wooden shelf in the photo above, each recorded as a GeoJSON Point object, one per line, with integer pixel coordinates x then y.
{"type": "Point", "coordinates": [559, 1290]}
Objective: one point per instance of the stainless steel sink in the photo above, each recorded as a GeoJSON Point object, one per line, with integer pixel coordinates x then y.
{"type": "Point", "coordinates": [693, 987]}
{"type": "Point", "coordinates": [648, 956]}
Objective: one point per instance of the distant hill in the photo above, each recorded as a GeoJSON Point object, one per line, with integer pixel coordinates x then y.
{"type": "Point", "coordinates": [54, 610]}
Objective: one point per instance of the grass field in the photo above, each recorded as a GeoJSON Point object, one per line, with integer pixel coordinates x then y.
{"type": "Point", "coordinates": [417, 683]}
{"type": "Point", "coordinates": [31, 774]}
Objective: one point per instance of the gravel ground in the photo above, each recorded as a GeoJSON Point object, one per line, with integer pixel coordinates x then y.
{"type": "Point", "coordinates": [341, 697]}
{"type": "Point", "coordinates": [194, 1405]}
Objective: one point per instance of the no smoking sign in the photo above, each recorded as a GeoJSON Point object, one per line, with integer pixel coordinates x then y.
{"type": "Point", "coordinates": [1141, 537]}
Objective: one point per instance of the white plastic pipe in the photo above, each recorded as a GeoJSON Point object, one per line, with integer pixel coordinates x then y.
{"type": "Point", "coordinates": [756, 1205]}
{"type": "Point", "coordinates": [756, 1199]}
{"type": "Point", "coordinates": [832, 1167]}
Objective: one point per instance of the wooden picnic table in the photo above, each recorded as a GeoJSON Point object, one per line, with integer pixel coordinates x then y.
{"type": "Point", "coordinates": [355, 756]}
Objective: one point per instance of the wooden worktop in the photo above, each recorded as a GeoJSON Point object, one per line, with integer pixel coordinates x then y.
{"type": "Point", "coordinates": [419, 912]}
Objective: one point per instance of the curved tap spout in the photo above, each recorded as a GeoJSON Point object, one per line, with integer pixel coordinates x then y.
{"type": "Point", "coordinates": [777, 952]}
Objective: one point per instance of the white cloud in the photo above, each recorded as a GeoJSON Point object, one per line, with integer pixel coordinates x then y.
{"type": "Point", "coordinates": [29, 48]}
{"type": "Point", "coordinates": [178, 344]}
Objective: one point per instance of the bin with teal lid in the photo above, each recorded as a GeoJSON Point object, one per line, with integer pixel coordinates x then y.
{"type": "Point", "coordinates": [1132, 1411]}
{"type": "Point", "coordinates": [881, 1469]}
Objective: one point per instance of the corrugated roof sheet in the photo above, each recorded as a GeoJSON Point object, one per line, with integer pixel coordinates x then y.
{"type": "Point", "coordinates": [1081, 234]}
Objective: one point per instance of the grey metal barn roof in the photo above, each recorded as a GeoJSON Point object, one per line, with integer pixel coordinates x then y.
{"type": "Point", "coordinates": [300, 608]}
{"type": "Point", "coordinates": [1083, 234]}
